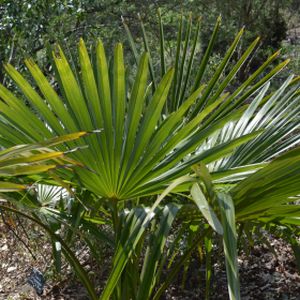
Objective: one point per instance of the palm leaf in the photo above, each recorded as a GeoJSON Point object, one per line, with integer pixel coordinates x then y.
{"type": "Point", "coordinates": [272, 186]}
{"type": "Point", "coordinates": [135, 154]}
{"type": "Point", "coordinates": [33, 159]}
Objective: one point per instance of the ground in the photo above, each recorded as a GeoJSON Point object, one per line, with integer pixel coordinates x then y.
{"type": "Point", "coordinates": [264, 275]}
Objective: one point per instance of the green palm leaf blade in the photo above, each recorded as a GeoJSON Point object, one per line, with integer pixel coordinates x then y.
{"type": "Point", "coordinates": [162, 44]}
{"type": "Point", "coordinates": [230, 245]}
{"type": "Point", "coordinates": [271, 186]}
{"type": "Point", "coordinates": [95, 111]}
{"type": "Point", "coordinates": [234, 130]}
{"type": "Point", "coordinates": [275, 113]}
{"type": "Point", "coordinates": [72, 90]}
{"type": "Point", "coordinates": [229, 104]}
{"type": "Point", "coordinates": [204, 60]}
{"type": "Point", "coordinates": [11, 187]}
{"type": "Point", "coordinates": [149, 122]}
{"type": "Point", "coordinates": [189, 143]}
{"type": "Point", "coordinates": [175, 118]}
{"type": "Point", "coordinates": [11, 135]}
{"type": "Point", "coordinates": [76, 103]}
{"type": "Point", "coordinates": [35, 99]}
{"type": "Point", "coordinates": [278, 117]}
{"type": "Point", "coordinates": [220, 151]}
{"type": "Point", "coordinates": [147, 49]}
{"type": "Point", "coordinates": [154, 157]}
{"type": "Point", "coordinates": [183, 60]}
{"type": "Point", "coordinates": [206, 210]}
{"type": "Point", "coordinates": [236, 174]}
{"type": "Point", "coordinates": [51, 96]}
{"type": "Point", "coordinates": [119, 100]}
{"type": "Point", "coordinates": [135, 107]}
{"type": "Point", "coordinates": [291, 221]}
{"type": "Point", "coordinates": [176, 64]}
{"type": "Point", "coordinates": [131, 41]}
{"type": "Point", "coordinates": [279, 213]}
{"type": "Point", "coordinates": [153, 113]}
{"type": "Point", "coordinates": [19, 149]}
{"type": "Point", "coordinates": [104, 90]}
{"type": "Point", "coordinates": [186, 79]}
{"type": "Point", "coordinates": [75, 99]}
{"type": "Point", "coordinates": [90, 85]}
{"type": "Point", "coordinates": [183, 64]}
{"type": "Point", "coordinates": [29, 159]}
{"type": "Point", "coordinates": [161, 165]}
{"type": "Point", "coordinates": [247, 116]}
{"type": "Point", "coordinates": [32, 159]}
{"type": "Point", "coordinates": [168, 126]}
{"type": "Point", "coordinates": [220, 69]}
{"type": "Point", "coordinates": [148, 185]}
{"type": "Point", "coordinates": [25, 170]}
{"type": "Point", "coordinates": [74, 96]}
{"type": "Point", "coordinates": [18, 113]}
{"type": "Point", "coordinates": [234, 70]}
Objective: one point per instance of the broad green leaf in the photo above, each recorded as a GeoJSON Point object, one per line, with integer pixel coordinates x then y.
{"type": "Point", "coordinates": [230, 245]}
{"type": "Point", "coordinates": [10, 187]}
{"type": "Point", "coordinates": [203, 205]}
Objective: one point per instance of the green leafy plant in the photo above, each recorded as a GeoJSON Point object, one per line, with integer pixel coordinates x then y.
{"type": "Point", "coordinates": [154, 132]}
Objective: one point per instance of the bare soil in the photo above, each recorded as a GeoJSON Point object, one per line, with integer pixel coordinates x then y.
{"type": "Point", "coordinates": [264, 275]}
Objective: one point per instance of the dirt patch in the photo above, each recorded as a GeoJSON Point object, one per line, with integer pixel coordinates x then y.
{"type": "Point", "coordinates": [264, 275]}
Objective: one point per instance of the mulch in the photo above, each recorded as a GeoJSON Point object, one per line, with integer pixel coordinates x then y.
{"type": "Point", "coordinates": [264, 275]}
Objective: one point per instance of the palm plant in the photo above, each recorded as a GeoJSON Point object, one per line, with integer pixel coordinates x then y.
{"type": "Point", "coordinates": [153, 133]}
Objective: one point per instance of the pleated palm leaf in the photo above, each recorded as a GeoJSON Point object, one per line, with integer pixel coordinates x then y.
{"type": "Point", "coordinates": [31, 159]}
{"type": "Point", "coordinates": [271, 193]}
{"type": "Point", "coordinates": [50, 195]}
{"type": "Point", "coordinates": [138, 153]}
{"type": "Point", "coordinates": [276, 113]}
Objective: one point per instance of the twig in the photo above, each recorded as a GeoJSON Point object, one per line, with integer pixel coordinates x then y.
{"type": "Point", "coordinates": [17, 236]}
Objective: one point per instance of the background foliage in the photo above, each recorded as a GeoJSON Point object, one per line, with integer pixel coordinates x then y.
{"type": "Point", "coordinates": [31, 26]}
